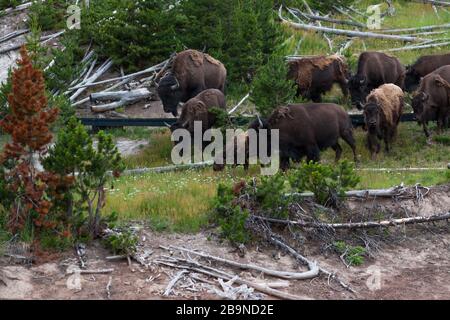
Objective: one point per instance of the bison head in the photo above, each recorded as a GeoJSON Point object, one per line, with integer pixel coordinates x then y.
{"type": "Point", "coordinates": [292, 70]}
{"type": "Point", "coordinates": [358, 90]}
{"type": "Point", "coordinates": [193, 110]}
{"type": "Point", "coordinates": [412, 79]}
{"type": "Point", "coordinates": [423, 107]}
{"type": "Point", "coordinates": [372, 117]}
{"type": "Point", "coordinates": [170, 93]}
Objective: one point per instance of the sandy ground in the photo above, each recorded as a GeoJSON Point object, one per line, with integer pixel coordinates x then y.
{"type": "Point", "coordinates": [416, 265]}
{"type": "Point", "coordinates": [9, 24]}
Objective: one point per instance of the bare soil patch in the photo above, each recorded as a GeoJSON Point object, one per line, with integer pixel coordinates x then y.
{"type": "Point", "coordinates": [412, 264]}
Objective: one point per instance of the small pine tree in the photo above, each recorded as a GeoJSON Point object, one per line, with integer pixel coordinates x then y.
{"type": "Point", "coordinates": [74, 157]}
{"type": "Point", "coordinates": [28, 125]}
{"type": "Point", "coordinates": [271, 88]}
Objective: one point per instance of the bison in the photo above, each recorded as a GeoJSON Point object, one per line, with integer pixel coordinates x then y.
{"type": "Point", "coordinates": [199, 109]}
{"type": "Point", "coordinates": [191, 73]}
{"type": "Point", "coordinates": [316, 75]}
{"type": "Point", "coordinates": [382, 114]}
{"type": "Point", "coordinates": [306, 129]}
{"type": "Point", "coordinates": [431, 101]}
{"type": "Point", "coordinates": [423, 66]}
{"type": "Point", "coordinates": [374, 70]}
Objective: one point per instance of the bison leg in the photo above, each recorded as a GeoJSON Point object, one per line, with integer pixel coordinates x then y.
{"type": "Point", "coordinates": [313, 154]}
{"type": "Point", "coordinates": [338, 149]}
{"type": "Point", "coordinates": [316, 97]}
{"type": "Point", "coordinates": [425, 129]}
{"type": "Point", "coordinates": [344, 87]}
{"type": "Point", "coordinates": [348, 137]}
{"type": "Point", "coordinates": [284, 163]}
{"type": "Point", "coordinates": [387, 140]}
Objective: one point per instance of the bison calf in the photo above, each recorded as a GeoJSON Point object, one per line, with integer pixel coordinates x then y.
{"type": "Point", "coordinates": [382, 114]}
{"type": "Point", "coordinates": [199, 109]}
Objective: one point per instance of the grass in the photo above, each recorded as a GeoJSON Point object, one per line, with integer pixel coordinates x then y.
{"type": "Point", "coordinates": [181, 201]}
{"type": "Point", "coordinates": [175, 201]}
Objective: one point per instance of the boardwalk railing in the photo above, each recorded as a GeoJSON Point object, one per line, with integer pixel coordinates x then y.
{"type": "Point", "coordinates": [357, 120]}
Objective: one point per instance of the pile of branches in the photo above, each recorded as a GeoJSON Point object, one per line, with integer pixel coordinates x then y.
{"type": "Point", "coordinates": [357, 27]}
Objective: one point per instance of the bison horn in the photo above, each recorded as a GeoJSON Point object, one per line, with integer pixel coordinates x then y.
{"type": "Point", "coordinates": [175, 86]}
{"type": "Point", "coordinates": [260, 122]}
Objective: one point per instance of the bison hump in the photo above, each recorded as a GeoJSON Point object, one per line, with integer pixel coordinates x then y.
{"type": "Point", "coordinates": [306, 67]}
{"type": "Point", "coordinates": [212, 60]}
{"type": "Point", "coordinates": [279, 114]}
{"type": "Point", "coordinates": [196, 57]}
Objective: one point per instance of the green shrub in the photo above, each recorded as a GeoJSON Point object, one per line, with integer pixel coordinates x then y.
{"type": "Point", "coordinates": [353, 255]}
{"type": "Point", "coordinates": [271, 88]}
{"type": "Point", "coordinates": [270, 195]}
{"type": "Point", "coordinates": [74, 157]}
{"type": "Point", "coordinates": [327, 182]}
{"type": "Point", "coordinates": [50, 14]}
{"type": "Point", "coordinates": [4, 4]}
{"type": "Point", "coordinates": [123, 242]}
{"type": "Point", "coordinates": [67, 66]}
{"type": "Point", "coordinates": [134, 34]}
{"type": "Point", "coordinates": [230, 217]}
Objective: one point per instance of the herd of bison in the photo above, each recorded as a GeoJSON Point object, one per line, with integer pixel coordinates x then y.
{"type": "Point", "coordinates": [197, 82]}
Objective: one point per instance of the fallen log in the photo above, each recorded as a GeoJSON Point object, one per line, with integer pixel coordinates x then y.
{"type": "Point", "coordinates": [313, 17]}
{"type": "Point", "coordinates": [424, 28]}
{"type": "Point", "coordinates": [194, 266]}
{"type": "Point", "coordinates": [99, 271]}
{"type": "Point", "coordinates": [173, 282]}
{"type": "Point", "coordinates": [18, 8]}
{"type": "Point", "coordinates": [13, 35]}
{"type": "Point", "coordinates": [343, 32]}
{"type": "Point", "coordinates": [312, 273]}
{"type": "Point", "coordinates": [361, 225]}
{"type": "Point", "coordinates": [43, 40]}
{"type": "Point", "coordinates": [434, 2]}
{"type": "Point", "coordinates": [274, 240]}
{"type": "Point", "coordinates": [148, 70]}
{"type": "Point", "coordinates": [125, 98]}
{"type": "Point", "coordinates": [426, 46]}
{"type": "Point", "coordinates": [374, 193]}
{"type": "Point", "coordinates": [100, 71]}
{"type": "Point", "coordinates": [239, 104]}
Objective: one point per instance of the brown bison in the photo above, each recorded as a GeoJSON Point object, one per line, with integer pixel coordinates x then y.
{"type": "Point", "coordinates": [382, 114]}
{"type": "Point", "coordinates": [423, 66]}
{"type": "Point", "coordinates": [374, 70]}
{"type": "Point", "coordinates": [316, 75]}
{"type": "Point", "coordinates": [306, 129]}
{"type": "Point", "coordinates": [431, 101]}
{"type": "Point", "coordinates": [191, 73]}
{"type": "Point", "coordinates": [199, 109]}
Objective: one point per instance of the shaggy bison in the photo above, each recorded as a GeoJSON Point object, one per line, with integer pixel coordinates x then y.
{"type": "Point", "coordinates": [306, 129]}
{"type": "Point", "coordinates": [191, 73]}
{"type": "Point", "coordinates": [431, 101]}
{"type": "Point", "coordinates": [316, 75]}
{"type": "Point", "coordinates": [382, 114]}
{"type": "Point", "coordinates": [423, 66]}
{"type": "Point", "coordinates": [374, 70]}
{"type": "Point", "coordinates": [199, 109]}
